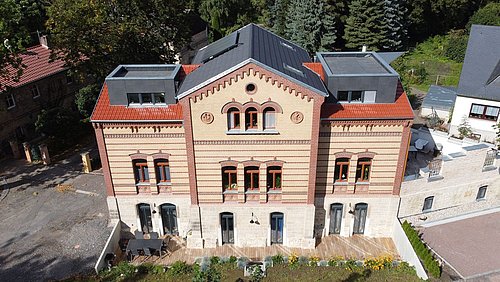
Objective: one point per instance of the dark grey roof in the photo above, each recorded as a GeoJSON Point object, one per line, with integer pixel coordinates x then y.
{"type": "Point", "coordinates": [354, 64]}
{"type": "Point", "coordinates": [481, 69]}
{"type": "Point", "coordinates": [440, 98]}
{"type": "Point", "coordinates": [389, 57]}
{"type": "Point", "coordinates": [258, 46]}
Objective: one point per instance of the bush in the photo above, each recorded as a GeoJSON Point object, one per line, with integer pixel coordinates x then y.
{"type": "Point", "coordinates": [335, 261]}
{"type": "Point", "coordinates": [487, 15]}
{"type": "Point", "coordinates": [313, 261]}
{"type": "Point", "coordinates": [293, 260]}
{"type": "Point", "coordinates": [179, 268]}
{"type": "Point", "coordinates": [456, 45]}
{"type": "Point", "coordinates": [214, 260]}
{"type": "Point", "coordinates": [123, 269]}
{"type": "Point", "coordinates": [86, 98]}
{"type": "Point", "coordinates": [422, 251]}
{"type": "Point", "coordinates": [257, 274]}
{"type": "Point", "coordinates": [278, 259]}
{"type": "Point", "coordinates": [210, 274]}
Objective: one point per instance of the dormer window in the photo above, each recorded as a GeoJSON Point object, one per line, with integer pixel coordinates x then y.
{"type": "Point", "coordinates": [146, 99]}
{"type": "Point", "coordinates": [356, 96]}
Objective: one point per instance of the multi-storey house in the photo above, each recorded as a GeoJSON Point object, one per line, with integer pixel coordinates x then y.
{"type": "Point", "coordinates": [254, 144]}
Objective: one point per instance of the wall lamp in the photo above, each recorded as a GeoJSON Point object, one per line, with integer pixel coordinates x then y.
{"type": "Point", "coordinates": [254, 220]}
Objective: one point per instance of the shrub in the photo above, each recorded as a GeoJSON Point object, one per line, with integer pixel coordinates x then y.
{"type": "Point", "coordinates": [303, 260]}
{"type": "Point", "coordinates": [323, 263]}
{"type": "Point", "coordinates": [424, 254]}
{"type": "Point", "coordinates": [456, 46]}
{"type": "Point", "coordinates": [278, 259]}
{"type": "Point", "coordinates": [214, 260]}
{"type": "Point", "coordinates": [179, 268]}
{"type": "Point", "coordinates": [350, 265]}
{"type": "Point", "coordinates": [210, 274]}
{"type": "Point", "coordinates": [257, 274]}
{"type": "Point", "coordinates": [149, 268]}
{"type": "Point", "coordinates": [123, 269]}
{"type": "Point", "coordinates": [86, 98]}
{"type": "Point", "coordinates": [335, 261]}
{"type": "Point", "coordinates": [293, 260]}
{"type": "Point", "coordinates": [313, 261]}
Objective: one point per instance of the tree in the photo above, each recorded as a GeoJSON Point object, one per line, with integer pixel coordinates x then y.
{"type": "Point", "coordinates": [397, 26]}
{"type": "Point", "coordinates": [310, 26]}
{"type": "Point", "coordinates": [86, 98]}
{"type": "Point", "coordinates": [488, 15]}
{"type": "Point", "coordinates": [58, 122]}
{"type": "Point", "coordinates": [92, 37]}
{"type": "Point", "coordinates": [366, 25]}
{"type": "Point", "coordinates": [278, 16]}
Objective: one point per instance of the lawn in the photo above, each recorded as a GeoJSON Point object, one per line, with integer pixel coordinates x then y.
{"type": "Point", "coordinates": [427, 64]}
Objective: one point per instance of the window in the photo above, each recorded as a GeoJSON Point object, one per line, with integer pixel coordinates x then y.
{"type": "Point", "coordinates": [481, 193]}
{"type": "Point", "coordinates": [484, 112]}
{"type": "Point", "coordinates": [162, 171]}
{"type": "Point", "coordinates": [269, 118]}
{"type": "Point", "coordinates": [69, 79]}
{"type": "Point", "coordinates": [141, 171]}
{"type": "Point", "coordinates": [35, 93]}
{"type": "Point", "coordinates": [428, 203]}
{"type": "Point", "coordinates": [233, 118]}
{"type": "Point", "coordinates": [363, 170]}
{"type": "Point", "coordinates": [360, 212]}
{"type": "Point", "coordinates": [356, 96]}
{"type": "Point", "coordinates": [229, 178]}
{"type": "Point", "coordinates": [146, 98]}
{"type": "Point", "coordinates": [252, 178]}
{"type": "Point", "coordinates": [489, 160]}
{"type": "Point", "coordinates": [274, 178]}
{"type": "Point", "coordinates": [341, 170]}
{"type": "Point", "coordinates": [10, 101]}
{"type": "Point", "coordinates": [144, 211]}
{"type": "Point", "coordinates": [250, 88]}
{"type": "Point", "coordinates": [251, 118]}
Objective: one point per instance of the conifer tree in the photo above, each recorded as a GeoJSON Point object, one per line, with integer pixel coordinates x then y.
{"type": "Point", "coordinates": [279, 12]}
{"type": "Point", "coordinates": [397, 25]}
{"type": "Point", "coordinates": [366, 25]}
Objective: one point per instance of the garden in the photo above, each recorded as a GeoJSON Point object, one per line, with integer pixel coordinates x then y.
{"type": "Point", "coordinates": [273, 268]}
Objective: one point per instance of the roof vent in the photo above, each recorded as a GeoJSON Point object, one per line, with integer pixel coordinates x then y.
{"type": "Point", "coordinates": [287, 45]}
{"type": "Point", "coordinates": [294, 70]}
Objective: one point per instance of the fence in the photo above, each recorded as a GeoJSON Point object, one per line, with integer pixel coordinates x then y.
{"type": "Point", "coordinates": [110, 247]}
{"type": "Point", "coordinates": [405, 249]}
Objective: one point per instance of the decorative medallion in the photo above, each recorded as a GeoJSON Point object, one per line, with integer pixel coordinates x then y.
{"type": "Point", "coordinates": [297, 117]}
{"type": "Point", "coordinates": [207, 117]}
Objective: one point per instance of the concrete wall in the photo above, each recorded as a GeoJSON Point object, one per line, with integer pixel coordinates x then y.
{"type": "Point", "coordinates": [111, 246]}
{"type": "Point", "coordinates": [480, 126]}
{"type": "Point", "coordinates": [405, 250]}
{"type": "Point", "coordinates": [455, 193]}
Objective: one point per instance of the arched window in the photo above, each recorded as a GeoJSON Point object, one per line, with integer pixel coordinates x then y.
{"type": "Point", "coordinates": [141, 171]}
{"type": "Point", "coordinates": [251, 118]}
{"type": "Point", "coordinates": [274, 179]}
{"type": "Point", "coordinates": [269, 118]}
{"type": "Point", "coordinates": [363, 170]}
{"type": "Point", "coordinates": [428, 204]}
{"type": "Point", "coordinates": [233, 118]}
{"type": "Point", "coordinates": [481, 193]}
{"type": "Point", "coordinates": [251, 178]}
{"type": "Point", "coordinates": [162, 170]}
{"type": "Point", "coordinates": [229, 178]}
{"type": "Point", "coordinates": [341, 173]}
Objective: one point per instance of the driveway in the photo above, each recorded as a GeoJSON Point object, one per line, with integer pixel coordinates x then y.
{"type": "Point", "coordinates": [53, 220]}
{"type": "Point", "coordinates": [470, 245]}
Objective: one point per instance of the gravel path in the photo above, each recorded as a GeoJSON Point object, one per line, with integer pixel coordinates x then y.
{"type": "Point", "coordinates": [47, 232]}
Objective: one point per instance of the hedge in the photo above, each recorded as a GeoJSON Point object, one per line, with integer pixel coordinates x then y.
{"type": "Point", "coordinates": [423, 253]}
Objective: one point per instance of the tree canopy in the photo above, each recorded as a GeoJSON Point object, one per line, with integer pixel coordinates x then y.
{"type": "Point", "coordinates": [93, 37]}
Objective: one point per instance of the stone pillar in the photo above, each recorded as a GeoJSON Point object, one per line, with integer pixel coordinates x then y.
{"type": "Point", "coordinates": [87, 165]}
{"type": "Point", "coordinates": [14, 146]}
{"type": "Point", "coordinates": [27, 151]}
{"type": "Point", "coordinates": [44, 152]}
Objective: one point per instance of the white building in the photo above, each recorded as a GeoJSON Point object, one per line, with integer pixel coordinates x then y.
{"type": "Point", "coordinates": [478, 100]}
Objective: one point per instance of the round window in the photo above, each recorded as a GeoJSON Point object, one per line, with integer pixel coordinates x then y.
{"type": "Point", "coordinates": [251, 88]}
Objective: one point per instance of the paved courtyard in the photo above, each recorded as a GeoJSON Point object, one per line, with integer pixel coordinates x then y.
{"type": "Point", "coordinates": [470, 245]}
{"type": "Point", "coordinates": [50, 231]}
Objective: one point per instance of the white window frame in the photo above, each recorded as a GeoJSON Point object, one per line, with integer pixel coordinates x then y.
{"type": "Point", "coordinates": [34, 89]}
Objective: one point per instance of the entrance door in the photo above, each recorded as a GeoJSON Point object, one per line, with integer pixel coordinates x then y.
{"type": "Point", "coordinates": [144, 211]}
{"type": "Point", "coordinates": [360, 218]}
{"type": "Point", "coordinates": [169, 219]}
{"type": "Point", "coordinates": [335, 218]}
{"type": "Point", "coordinates": [227, 226]}
{"type": "Point", "coordinates": [277, 228]}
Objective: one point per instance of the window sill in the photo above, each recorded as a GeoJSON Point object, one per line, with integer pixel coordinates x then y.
{"type": "Point", "coordinates": [230, 192]}
{"type": "Point", "coordinates": [252, 132]}
{"type": "Point", "coordinates": [489, 168]}
{"type": "Point", "coordinates": [10, 108]}
{"type": "Point", "coordinates": [274, 191]}
{"type": "Point", "coordinates": [485, 119]}
{"type": "Point", "coordinates": [363, 183]}
{"type": "Point", "coordinates": [256, 191]}
{"type": "Point", "coordinates": [159, 105]}
{"type": "Point", "coordinates": [143, 184]}
{"type": "Point", "coordinates": [341, 183]}
{"type": "Point", "coordinates": [427, 211]}
{"type": "Point", "coordinates": [164, 184]}
{"type": "Point", "coordinates": [36, 97]}
{"type": "Point", "coordinates": [481, 200]}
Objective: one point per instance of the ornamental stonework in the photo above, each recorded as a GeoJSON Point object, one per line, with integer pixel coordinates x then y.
{"type": "Point", "coordinates": [207, 117]}
{"type": "Point", "coordinates": [297, 117]}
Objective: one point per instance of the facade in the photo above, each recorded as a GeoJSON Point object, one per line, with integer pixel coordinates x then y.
{"type": "Point", "coordinates": [253, 144]}
{"type": "Point", "coordinates": [462, 180]}
{"type": "Point", "coordinates": [478, 99]}
{"type": "Point", "coordinates": [43, 85]}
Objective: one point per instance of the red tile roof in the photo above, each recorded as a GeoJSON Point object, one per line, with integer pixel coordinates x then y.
{"type": "Point", "coordinates": [38, 65]}
{"type": "Point", "coordinates": [317, 68]}
{"type": "Point", "coordinates": [401, 109]}
{"type": "Point", "coordinates": [106, 112]}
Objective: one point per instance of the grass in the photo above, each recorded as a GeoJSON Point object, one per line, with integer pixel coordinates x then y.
{"type": "Point", "coordinates": [429, 56]}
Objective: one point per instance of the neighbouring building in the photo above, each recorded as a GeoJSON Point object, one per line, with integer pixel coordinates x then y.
{"type": "Point", "coordinates": [439, 101]}
{"type": "Point", "coordinates": [478, 99]}
{"type": "Point", "coordinates": [254, 144]}
{"type": "Point", "coordinates": [44, 84]}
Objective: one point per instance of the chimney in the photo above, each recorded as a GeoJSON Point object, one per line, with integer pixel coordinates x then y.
{"type": "Point", "coordinates": [43, 41]}
{"type": "Point", "coordinates": [363, 49]}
